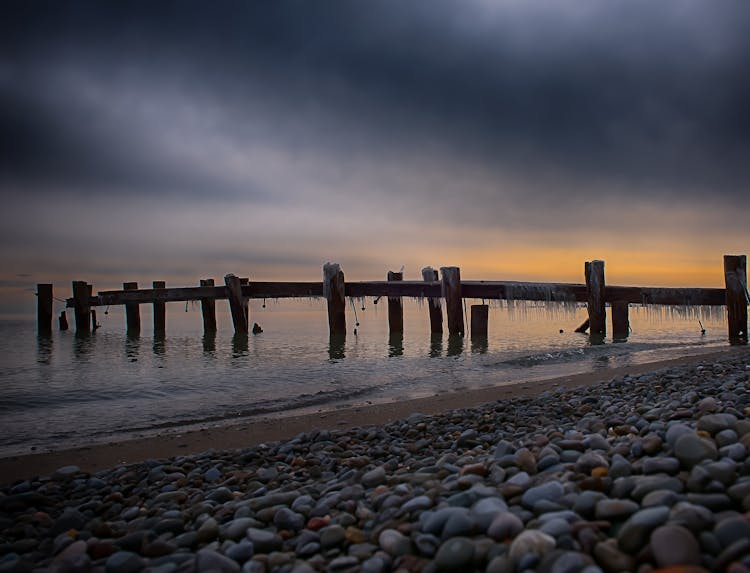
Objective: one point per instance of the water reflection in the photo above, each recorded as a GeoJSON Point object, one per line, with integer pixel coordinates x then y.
{"type": "Point", "coordinates": [395, 344]}
{"type": "Point", "coordinates": [160, 344]}
{"type": "Point", "coordinates": [83, 345]}
{"type": "Point", "coordinates": [436, 345]}
{"type": "Point", "coordinates": [44, 348]}
{"type": "Point", "coordinates": [239, 345]}
{"type": "Point", "coordinates": [132, 347]}
{"type": "Point", "coordinates": [479, 344]}
{"type": "Point", "coordinates": [455, 344]}
{"type": "Point", "coordinates": [209, 342]}
{"type": "Point", "coordinates": [336, 344]}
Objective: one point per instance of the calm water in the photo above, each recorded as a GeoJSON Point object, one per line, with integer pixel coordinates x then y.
{"type": "Point", "coordinates": [67, 390]}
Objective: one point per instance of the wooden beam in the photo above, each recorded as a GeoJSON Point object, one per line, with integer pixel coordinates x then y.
{"type": "Point", "coordinates": [208, 309]}
{"type": "Point", "coordinates": [81, 298]}
{"type": "Point", "coordinates": [735, 278]}
{"type": "Point", "coordinates": [160, 311]}
{"type": "Point", "coordinates": [334, 289]}
{"type": "Point", "coordinates": [595, 289]}
{"type": "Point", "coordinates": [620, 320]}
{"type": "Point", "coordinates": [430, 275]}
{"type": "Point", "coordinates": [479, 320]}
{"type": "Point", "coordinates": [132, 312]}
{"type": "Point", "coordinates": [44, 309]}
{"type": "Point", "coordinates": [489, 290]}
{"type": "Point", "coordinates": [395, 307]}
{"type": "Point", "coordinates": [236, 304]}
{"type": "Point", "coordinates": [453, 303]}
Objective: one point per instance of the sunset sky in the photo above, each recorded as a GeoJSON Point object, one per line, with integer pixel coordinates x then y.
{"type": "Point", "coordinates": [515, 139]}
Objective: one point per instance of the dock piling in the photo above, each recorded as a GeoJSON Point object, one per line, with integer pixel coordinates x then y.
{"type": "Point", "coordinates": [453, 302]}
{"type": "Point", "coordinates": [208, 309]}
{"type": "Point", "coordinates": [620, 320]}
{"type": "Point", "coordinates": [132, 312]}
{"type": "Point", "coordinates": [82, 302]}
{"type": "Point", "coordinates": [735, 278]}
{"type": "Point", "coordinates": [44, 309]}
{"type": "Point", "coordinates": [237, 303]}
{"type": "Point", "coordinates": [479, 320]}
{"type": "Point", "coordinates": [595, 293]}
{"type": "Point", "coordinates": [395, 306]}
{"type": "Point", "coordinates": [160, 310]}
{"type": "Point", "coordinates": [436, 311]}
{"type": "Point", "coordinates": [334, 292]}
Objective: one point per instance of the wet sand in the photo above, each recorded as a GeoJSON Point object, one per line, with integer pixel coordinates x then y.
{"type": "Point", "coordinates": [250, 432]}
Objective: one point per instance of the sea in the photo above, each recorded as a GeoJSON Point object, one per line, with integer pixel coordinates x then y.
{"type": "Point", "coordinates": [66, 390]}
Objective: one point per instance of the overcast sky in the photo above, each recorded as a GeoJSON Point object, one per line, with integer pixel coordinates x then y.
{"type": "Point", "coordinates": [515, 139]}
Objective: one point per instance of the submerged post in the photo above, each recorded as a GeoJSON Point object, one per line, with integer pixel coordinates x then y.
{"type": "Point", "coordinates": [479, 320]}
{"type": "Point", "coordinates": [453, 302]}
{"type": "Point", "coordinates": [132, 312]}
{"type": "Point", "coordinates": [63, 321]}
{"type": "Point", "coordinates": [620, 320]}
{"type": "Point", "coordinates": [234, 295]}
{"type": "Point", "coordinates": [334, 292]}
{"type": "Point", "coordinates": [595, 294]}
{"type": "Point", "coordinates": [735, 278]}
{"type": "Point", "coordinates": [395, 306]}
{"type": "Point", "coordinates": [433, 303]}
{"type": "Point", "coordinates": [44, 308]}
{"type": "Point", "coordinates": [82, 304]}
{"type": "Point", "coordinates": [160, 311]}
{"type": "Point", "coordinates": [208, 309]}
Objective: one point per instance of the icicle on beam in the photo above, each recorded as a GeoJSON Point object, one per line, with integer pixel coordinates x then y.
{"type": "Point", "coordinates": [620, 320]}
{"type": "Point", "coordinates": [234, 295]}
{"type": "Point", "coordinates": [735, 278]}
{"type": "Point", "coordinates": [395, 307]}
{"type": "Point", "coordinates": [595, 294]}
{"type": "Point", "coordinates": [132, 312]}
{"type": "Point", "coordinates": [334, 291]}
{"type": "Point", "coordinates": [208, 309]}
{"type": "Point", "coordinates": [479, 320]}
{"type": "Point", "coordinates": [160, 311]}
{"type": "Point", "coordinates": [81, 304]}
{"type": "Point", "coordinates": [44, 309]}
{"type": "Point", "coordinates": [453, 302]}
{"type": "Point", "coordinates": [436, 310]}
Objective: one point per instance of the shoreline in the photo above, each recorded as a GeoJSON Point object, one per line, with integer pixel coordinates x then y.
{"type": "Point", "coordinates": [100, 456]}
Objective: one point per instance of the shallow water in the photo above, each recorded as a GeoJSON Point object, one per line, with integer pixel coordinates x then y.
{"type": "Point", "coordinates": [67, 390]}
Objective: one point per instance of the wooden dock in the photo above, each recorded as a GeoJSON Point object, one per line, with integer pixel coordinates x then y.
{"type": "Point", "coordinates": [450, 290]}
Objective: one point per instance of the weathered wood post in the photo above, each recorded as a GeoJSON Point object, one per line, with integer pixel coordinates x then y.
{"type": "Point", "coordinates": [479, 320]}
{"type": "Point", "coordinates": [595, 293]}
{"type": "Point", "coordinates": [44, 309]}
{"type": "Point", "coordinates": [395, 306]}
{"type": "Point", "coordinates": [94, 324]}
{"type": "Point", "coordinates": [244, 281]}
{"type": "Point", "coordinates": [132, 312]}
{"type": "Point", "coordinates": [234, 295]}
{"type": "Point", "coordinates": [160, 310]}
{"type": "Point", "coordinates": [81, 305]}
{"type": "Point", "coordinates": [620, 320]}
{"type": "Point", "coordinates": [63, 320]}
{"type": "Point", "coordinates": [334, 292]}
{"type": "Point", "coordinates": [208, 309]}
{"type": "Point", "coordinates": [453, 303]}
{"type": "Point", "coordinates": [433, 303]}
{"type": "Point", "coordinates": [735, 278]}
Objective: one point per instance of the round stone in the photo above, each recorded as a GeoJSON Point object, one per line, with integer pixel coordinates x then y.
{"type": "Point", "coordinates": [532, 542]}
{"type": "Point", "coordinates": [394, 543]}
{"type": "Point", "coordinates": [691, 449]}
{"type": "Point", "coordinates": [456, 554]}
{"type": "Point", "coordinates": [674, 545]}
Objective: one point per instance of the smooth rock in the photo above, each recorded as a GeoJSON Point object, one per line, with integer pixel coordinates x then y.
{"type": "Point", "coordinates": [674, 545]}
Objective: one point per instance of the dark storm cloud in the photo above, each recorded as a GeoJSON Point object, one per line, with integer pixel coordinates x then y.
{"type": "Point", "coordinates": [581, 98]}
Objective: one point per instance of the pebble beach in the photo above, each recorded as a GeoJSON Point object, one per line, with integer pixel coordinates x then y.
{"type": "Point", "coordinates": [643, 472]}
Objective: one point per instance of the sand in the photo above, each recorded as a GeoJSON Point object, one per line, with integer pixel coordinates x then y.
{"type": "Point", "coordinates": [243, 434]}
